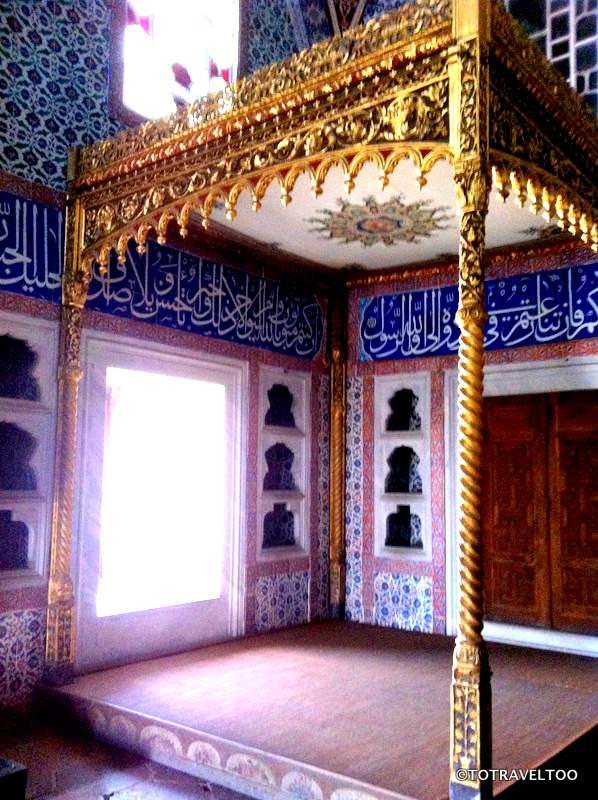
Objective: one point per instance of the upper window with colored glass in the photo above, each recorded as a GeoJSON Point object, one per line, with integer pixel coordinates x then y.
{"type": "Point", "coordinates": [177, 51]}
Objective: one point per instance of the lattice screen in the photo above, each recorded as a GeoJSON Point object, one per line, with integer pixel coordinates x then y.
{"type": "Point", "coordinates": [567, 32]}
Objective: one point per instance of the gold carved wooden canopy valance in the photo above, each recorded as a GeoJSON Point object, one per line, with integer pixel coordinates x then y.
{"type": "Point", "coordinates": [391, 89]}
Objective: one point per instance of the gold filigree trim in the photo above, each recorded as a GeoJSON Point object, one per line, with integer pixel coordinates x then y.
{"type": "Point", "coordinates": [542, 194]}
{"type": "Point", "coordinates": [351, 161]}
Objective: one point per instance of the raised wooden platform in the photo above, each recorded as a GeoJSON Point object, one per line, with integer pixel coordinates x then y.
{"type": "Point", "coordinates": [330, 709]}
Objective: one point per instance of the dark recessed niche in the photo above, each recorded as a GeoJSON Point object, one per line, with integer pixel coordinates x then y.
{"type": "Point", "coordinates": [14, 542]}
{"type": "Point", "coordinates": [403, 416]}
{"type": "Point", "coordinates": [279, 527]}
{"type": "Point", "coordinates": [16, 450]}
{"type": "Point", "coordinates": [17, 361]}
{"type": "Point", "coordinates": [403, 529]}
{"type": "Point", "coordinates": [281, 402]}
{"type": "Point", "coordinates": [403, 475]}
{"type": "Point", "coordinates": [279, 477]}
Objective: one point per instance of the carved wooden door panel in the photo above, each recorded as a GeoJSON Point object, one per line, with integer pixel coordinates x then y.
{"type": "Point", "coordinates": [515, 521]}
{"type": "Point", "coordinates": [574, 518]}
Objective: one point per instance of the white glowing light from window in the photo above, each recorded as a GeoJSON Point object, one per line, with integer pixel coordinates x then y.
{"type": "Point", "coordinates": [162, 514]}
{"type": "Point", "coordinates": [145, 89]}
{"type": "Point", "coordinates": [191, 33]}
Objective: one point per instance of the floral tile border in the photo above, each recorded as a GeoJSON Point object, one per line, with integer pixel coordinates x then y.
{"type": "Point", "coordinates": [254, 772]}
{"type": "Point", "coordinates": [354, 608]}
{"type": "Point", "coordinates": [320, 608]}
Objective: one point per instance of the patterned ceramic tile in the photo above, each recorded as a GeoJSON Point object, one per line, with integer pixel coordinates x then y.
{"type": "Point", "coordinates": [21, 654]}
{"type": "Point", "coordinates": [354, 501]}
{"type": "Point", "coordinates": [54, 77]}
{"type": "Point", "coordinates": [403, 601]}
{"type": "Point", "coordinates": [281, 600]}
{"type": "Point", "coordinates": [298, 23]}
{"type": "Point", "coordinates": [279, 28]}
{"type": "Point", "coordinates": [271, 35]}
{"type": "Point", "coordinates": [315, 19]}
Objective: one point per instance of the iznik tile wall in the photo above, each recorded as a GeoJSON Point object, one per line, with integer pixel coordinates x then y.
{"type": "Point", "coordinates": [21, 654]}
{"type": "Point", "coordinates": [54, 76]}
{"type": "Point", "coordinates": [271, 35]}
{"type": "Point", "coordinates": [384, 590]}
{"type": "Point", "coordinates": [279, 28]}
{"type": "Point", "coordinates": [403, 601]}
{"type": "Point", "coordinates": [282, 600]}
{"type": "Point", "coordinates": [315, 19]}
{"type": "Point", "coordinates": [295, 604]}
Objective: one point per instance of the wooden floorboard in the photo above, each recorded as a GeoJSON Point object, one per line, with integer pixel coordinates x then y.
{"type": "Point", "coordinates": [366, 702]}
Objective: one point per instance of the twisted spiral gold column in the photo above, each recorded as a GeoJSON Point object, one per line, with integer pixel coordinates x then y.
{"type": "Point", "coordinates": [60, 636]}
{"type": "Point", "coordinates": [337, 455]}
{"type": "Point", "coordinates": [469, 471]}
{"type": "Point", "coordinates": [469, 77]}
{"type": "Point", "coordinates": [470, 688]}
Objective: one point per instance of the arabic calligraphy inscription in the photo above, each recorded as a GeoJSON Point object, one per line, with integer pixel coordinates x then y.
{"type": "Point", "coordinates": [550, 306]}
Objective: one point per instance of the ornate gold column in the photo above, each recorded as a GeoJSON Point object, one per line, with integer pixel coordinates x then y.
{"type": "Point", "coordinates": [470, 690]}
{"type": "Point", "coordinates": [60, 636]}
{"type": "Point", "coordinates": [338, 403]}
{"type": "Point", "coordinates": [471, 742]}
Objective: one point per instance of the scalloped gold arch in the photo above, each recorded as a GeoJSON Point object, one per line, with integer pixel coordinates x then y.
{"type": "Point", "coordinates": [386, 157]}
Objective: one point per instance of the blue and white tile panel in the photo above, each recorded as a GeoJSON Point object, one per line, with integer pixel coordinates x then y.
{"type": "Point", "coordinates": [403, 601]}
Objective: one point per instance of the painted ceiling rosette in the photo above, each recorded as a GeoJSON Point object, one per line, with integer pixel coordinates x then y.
{"type": "Point", "coordinates": [372, 222]}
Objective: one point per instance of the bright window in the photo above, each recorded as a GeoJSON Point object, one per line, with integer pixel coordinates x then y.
{"type": "Point", "coordinates": [162, 525]}
{"type": "Point", "coordinates": [176, 51]}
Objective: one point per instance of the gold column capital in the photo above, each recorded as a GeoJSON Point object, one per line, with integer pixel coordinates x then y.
{"type": "Point", "coordinates": [472, 181]}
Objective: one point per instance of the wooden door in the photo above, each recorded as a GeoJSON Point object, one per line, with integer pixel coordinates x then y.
{"type": "Point", "coordinates": [515, 519]}
{"type": "Point", "coordinates": [574, 519]}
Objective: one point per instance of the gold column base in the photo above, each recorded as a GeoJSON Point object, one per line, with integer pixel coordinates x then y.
{"type": "Point", "coordinates": [58, 668]}
{"type": "Point", "coordinates": [471, 728]}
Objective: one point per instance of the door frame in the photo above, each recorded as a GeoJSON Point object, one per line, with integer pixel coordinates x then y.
{"type": "Point", "coordinates": [238, 375]}
{"type": "Point", "coordinates": [523, 377]}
